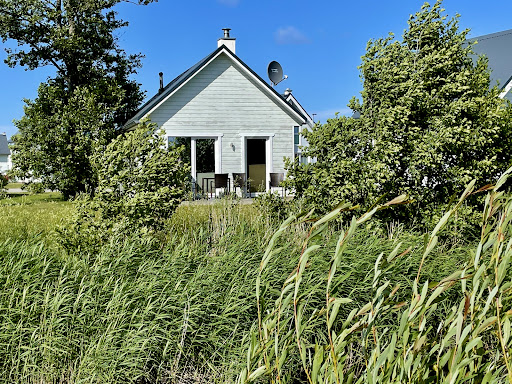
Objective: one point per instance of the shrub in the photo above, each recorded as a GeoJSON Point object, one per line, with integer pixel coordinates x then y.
{"type": "Point", "coordinates": [34, 188]}
{"type": "Point", "coordinates": [272, 205]}
{"type": "Point", "coordinates": [140, 185]}
{"type": "Point", "coordinates": [429, 124]}
{"type": "Point", "coordinates": [4, 180]}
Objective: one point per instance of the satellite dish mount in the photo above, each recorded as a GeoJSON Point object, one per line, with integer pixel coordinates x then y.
{"type": "Point", "coordinates": [275, 73]}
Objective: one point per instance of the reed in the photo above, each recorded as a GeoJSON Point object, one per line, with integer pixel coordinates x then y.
{"type": "Point", "coordinates": [449, 330]}
{"type": "Point", "coordinates": [183, 306]}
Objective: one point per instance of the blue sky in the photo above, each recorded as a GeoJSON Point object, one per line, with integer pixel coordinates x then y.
{"type": "Point", "coordinates": [318, 43]}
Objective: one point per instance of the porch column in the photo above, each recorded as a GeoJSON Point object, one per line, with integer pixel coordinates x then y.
{"type": "Point", "coordinates": [193, 162]}
{"type": "Point", "coordinates": [218, 154]}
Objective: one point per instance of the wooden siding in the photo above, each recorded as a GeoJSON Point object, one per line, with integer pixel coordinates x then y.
{"type": "Point", "coordinates": [222, 99]}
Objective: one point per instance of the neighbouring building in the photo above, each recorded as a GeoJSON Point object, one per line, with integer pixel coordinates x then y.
{"type": "Point", "coordinates": [497, 48]}
{"type": "Point", "coordinates": [233, 122]}
{"type": "Point", "coordinates": [5, 154]}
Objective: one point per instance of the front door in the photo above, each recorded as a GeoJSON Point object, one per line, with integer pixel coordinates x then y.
{"type": "Point", "coordinates": [256, 164]}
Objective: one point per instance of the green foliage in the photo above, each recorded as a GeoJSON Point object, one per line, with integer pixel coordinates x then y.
{"type": "Point", "coordinates": [32, 218]}
{"type": "Point", "coordinates": [59, 133]}
{"type": "Point", "coordinates": [428, 338]}
{"type": "Point", "coordinates": [429, 124]}
{"type": "Point", "coordinates": [90, 96]}
{"type": "Point", "coordinates": [4, 180]}
{"type": "Point", "coordinates": [140, 185]}
{"type": "Point", "coordinates": [272, 205]}
{"type": "Point", "coordinates": [34, 188]}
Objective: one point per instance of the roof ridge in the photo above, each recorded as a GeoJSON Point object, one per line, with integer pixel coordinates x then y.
{"type": "Point", "coordinates": [493, 35]}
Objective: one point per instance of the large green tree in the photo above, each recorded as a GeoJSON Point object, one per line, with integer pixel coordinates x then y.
{"type": "Point", "coordinates": [429, 123]}
{"type": "Point", "coordinates": [90, 96]}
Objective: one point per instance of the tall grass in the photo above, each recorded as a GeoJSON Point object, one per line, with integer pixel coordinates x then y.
{"type": "Point", "coordinates": [450, 330]}
{"type": "Point", "coordinates": [182, 307]}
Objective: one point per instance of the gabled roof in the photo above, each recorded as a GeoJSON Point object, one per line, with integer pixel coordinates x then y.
{"type": "Point", "coordinates": [182, 79]}
{"type": "Point", "coordinates": [4, 148]}
{"type": "Point", "coordinates": [497, 47]}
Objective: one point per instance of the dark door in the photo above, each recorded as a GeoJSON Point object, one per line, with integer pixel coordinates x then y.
{"type": "Point", "coordinates": [256, 164]}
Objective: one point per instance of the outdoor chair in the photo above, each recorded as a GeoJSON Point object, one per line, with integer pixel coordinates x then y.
{"type": "Point", "coordinates": [222, 181]}
{"type": "Point", "coordinates": [239, 181]}
{"type": "Point", "coordinates": [275, 181]}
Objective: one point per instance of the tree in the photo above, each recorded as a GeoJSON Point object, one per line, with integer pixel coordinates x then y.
{"type": "Point", "coordinates": [58, 135]}
{"type": "Point", "coordinates": [430, 123]}
{"type": "Point", "coordinates": [77, 39]}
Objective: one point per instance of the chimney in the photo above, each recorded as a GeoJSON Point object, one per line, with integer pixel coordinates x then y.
{"type": "Point", "coordinates": [229, 42]}
{"type": "Point", "coordinates": [161, 89]}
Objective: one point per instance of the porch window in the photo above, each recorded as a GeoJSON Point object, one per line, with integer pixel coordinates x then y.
{"type": "Point", "coordinates": [178, 141]}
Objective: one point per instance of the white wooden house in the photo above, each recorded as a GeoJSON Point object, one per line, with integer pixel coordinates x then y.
{"type": "Point", "coordinates": [221, 101]}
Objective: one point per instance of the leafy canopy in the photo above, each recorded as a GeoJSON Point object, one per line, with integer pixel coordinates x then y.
{"type": "Point", "coordinates": [430, 123]}
{"type": "Point", "coordinates": [77, 39]}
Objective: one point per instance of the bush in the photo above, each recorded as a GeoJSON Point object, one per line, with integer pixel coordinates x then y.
{"type": "Point", "coordinates": [272, 205]}
{"type": "Point", "coordinates": [4, 180]}
{"type": "Point", "coordinates": [33, 188]}
{"type": "Point", "coordinates": [140, 185]}
{"type": "Point", "coordinates": [429, 124]}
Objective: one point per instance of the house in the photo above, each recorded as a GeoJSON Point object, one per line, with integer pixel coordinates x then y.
{"type": "Point", "coordinates": [232, 120]}
{"type": "Point", "coordinates": [5, 154]}
{"type": "Point", "coordinates": [497, 48]}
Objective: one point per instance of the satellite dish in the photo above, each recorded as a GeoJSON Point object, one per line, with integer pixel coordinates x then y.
{"type": "Point", "coordinates": [275, 72]}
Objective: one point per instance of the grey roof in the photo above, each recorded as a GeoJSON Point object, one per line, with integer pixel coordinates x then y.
{"type": "Point", "coordinates": [176, 83]}
{"type": "Point", "coordinates": [4, 148]}
{"type": "Point", "coordinates": [497, 47]}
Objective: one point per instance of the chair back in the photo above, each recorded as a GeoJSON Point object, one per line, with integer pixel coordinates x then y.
{"type": "Point", "coordinates": [221, 180]}
{"type": "Point", "coordinates": [276, 179]}
{"type": "Point", "coordinates": [239, 180]}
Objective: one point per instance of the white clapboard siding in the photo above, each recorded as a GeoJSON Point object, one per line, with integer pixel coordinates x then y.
{"type": "Point", "coordinates": [223, 99]}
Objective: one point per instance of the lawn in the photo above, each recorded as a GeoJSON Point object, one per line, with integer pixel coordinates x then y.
{"type": "Point", "coordinates": [14, 186]}
{"type": "Point", "coordinates": [28, 216]}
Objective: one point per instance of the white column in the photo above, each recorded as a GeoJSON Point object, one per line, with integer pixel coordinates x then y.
{"type": "Point", "coordinates": [269, 160]}
{"type": "Point", "coordinates": [193, 160]}
{"type": "Point", "coordinates": [218, 154]}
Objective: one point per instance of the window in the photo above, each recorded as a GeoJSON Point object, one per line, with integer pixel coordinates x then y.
{"type": "Point", "coordinates": [296, 135]}
{"type": "Point", "coordinates": [171, 140]}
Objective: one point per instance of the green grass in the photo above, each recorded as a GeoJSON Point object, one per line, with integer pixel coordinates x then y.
{"type": "Point", "coordinates": [14, 185]}
{"type": "Point", "coordinates": [32, 216]}
{"type": "Point", "coordinates": [26, 199]}
{"type": "Point", "coordinates": [177, 307]}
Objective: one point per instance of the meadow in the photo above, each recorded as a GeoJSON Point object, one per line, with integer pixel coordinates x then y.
{"type": "Point", "coordinates": [202, 301]}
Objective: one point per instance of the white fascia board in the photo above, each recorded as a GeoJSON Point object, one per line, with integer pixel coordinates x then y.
{"type": "Point", "coordinates": [309, 121]}
{"type": "Point", "coordinates": [506, 89]}
{"type": "Point", "coordinates": [181, 85]}
{"type": "Point", "coordinates": [264, 87]}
